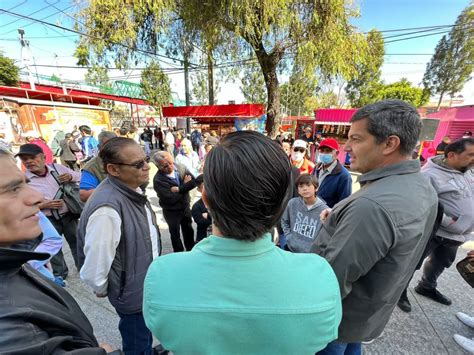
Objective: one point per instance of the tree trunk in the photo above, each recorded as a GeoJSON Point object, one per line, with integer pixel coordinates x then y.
{"type": "Point", "coordinates": [210, 77]}
{"type": "Point", "coordinates": [269, 63]}
{"type": "Point", "coordinates": [440, 100]}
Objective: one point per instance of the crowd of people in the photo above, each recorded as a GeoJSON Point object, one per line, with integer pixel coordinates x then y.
{"type": "Point", "coordinates": [286, 258]}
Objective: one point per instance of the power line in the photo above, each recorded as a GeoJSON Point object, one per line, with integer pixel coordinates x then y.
{"type": "Point", "coordinates": [421, 36]}
{"type": "Point", "coordinates": [414, 28]}
{"type": "Point", "coordinates": [92, 37]}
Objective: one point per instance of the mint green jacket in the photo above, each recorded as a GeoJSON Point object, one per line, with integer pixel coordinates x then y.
{"type": "Point", "coordinates": [234, 297]}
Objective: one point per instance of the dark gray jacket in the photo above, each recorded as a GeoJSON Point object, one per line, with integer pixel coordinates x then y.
{"type": "Point", "coordinates": [68, 148]}
{"type": "Point", "coordinates": [373, 240]}
{"type": "Point", "coordinates": [134, 252]}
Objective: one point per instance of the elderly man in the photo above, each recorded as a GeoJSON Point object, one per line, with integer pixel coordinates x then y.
{"type": "Point", "coordinates": [172, 184]}
{"type": "Point", "coordinates": [236, 283]}
{"type": "Point", "coordinates": [93, 172]}
{"type": "Point", "coordinates": [374, 238]}
{"type": "Point", "coordinates": [452, 177]}
{"type": "Point", "coordinates": [36, 316]}
{"type": "Point", "coordinates": [118, 238]}
{"type": "Point", "coordinates": [41, 178]}
{"type": "Point", "coordinates": [335, 182]}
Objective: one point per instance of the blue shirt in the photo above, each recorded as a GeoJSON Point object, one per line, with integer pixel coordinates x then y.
{"type": "Point", "coordinates": [88, 181]}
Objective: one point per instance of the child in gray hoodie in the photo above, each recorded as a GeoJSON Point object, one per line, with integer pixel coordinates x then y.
{"type": "Point", "coordinates": [300, 221]}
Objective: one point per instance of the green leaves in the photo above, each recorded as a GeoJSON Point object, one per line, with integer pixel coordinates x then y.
{"type": "Point", "coordinates": [452, 64]}
{"type": "Point", "coordinates": [9, 72]}
{"type": "Point", "coordinates": [156, 86]}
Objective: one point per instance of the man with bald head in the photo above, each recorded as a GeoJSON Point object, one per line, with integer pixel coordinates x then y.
{"type": "Point", "coordinates": [172, 184]}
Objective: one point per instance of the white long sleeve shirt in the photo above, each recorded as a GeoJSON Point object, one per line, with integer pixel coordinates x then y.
{"type": "Point", "coordinates": [103, 233]}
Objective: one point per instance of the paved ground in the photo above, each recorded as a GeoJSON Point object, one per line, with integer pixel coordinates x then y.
{"type": "Point", "coordinates": [428, 329]}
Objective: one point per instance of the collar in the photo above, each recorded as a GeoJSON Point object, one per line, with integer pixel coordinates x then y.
{"type": "Point", "coordinates": [402, 168]}
{"type": "Point", "coordinates": [15, 258]}
{"type": "Point", "coordinates": [222, 246]}
{"type": "Point", "coordinates": [128, 192]}
{"type": "Point", "coordinates": [30, 175]}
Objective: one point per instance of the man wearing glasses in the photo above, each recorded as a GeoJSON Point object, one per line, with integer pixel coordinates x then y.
{"type": "Point", "coordinates": [118, 238]}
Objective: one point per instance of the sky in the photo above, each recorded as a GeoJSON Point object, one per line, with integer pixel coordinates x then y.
{"type": "Point", "coordinates": [51, 46]}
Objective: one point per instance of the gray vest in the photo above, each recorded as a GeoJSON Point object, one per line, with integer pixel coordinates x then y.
{"type": "Point", "coordinates": [134, 252]}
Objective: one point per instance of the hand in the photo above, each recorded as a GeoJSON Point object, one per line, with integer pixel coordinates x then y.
{"type": "Point", "coordinates": [106, 347]}
{"type": "Point", "coordinates": [64, 178]}
{"type": "Point", "coordinates": [174, 189]}
{"type": "Point", "coordinates": [51, 204]}
{"type": "Point", "coordinates": [204, 215]}
{"type": "Point", "coordinates": [187, 178]}
{"type": "Point", "coordinates": [325, 214]}
{"type": "Point", "coordinates": [101, 295]}
{"type": "Point", "coordinates": [470, 253]}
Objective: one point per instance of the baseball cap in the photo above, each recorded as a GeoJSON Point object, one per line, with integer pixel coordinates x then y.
{"type": "Point", "coordinates": [29, 149]}
{"type": "Point", "coordinates": [330, 143]}
{"type": "Point", "coordinates": [299, 143]}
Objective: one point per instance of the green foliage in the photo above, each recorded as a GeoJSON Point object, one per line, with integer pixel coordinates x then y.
{"type": "Point", "coordinates": [318, 33]}
{"type": "Point", "coordinates": [364, 87]}
{"type": "Point", "coordinates": [452, 64]}
{"type": "Point", "coordinates": [98, 76]}
{"type": "Point", "coordinates": [156, 86]}
{"type": "Point", "coordinates": [402, 90]}
{"type": "Point", "coordinates": [200, 90]}
{"type": "Point", "coordinates": [9, 72]}
{"type": "Point", "coordinates": [253, 84]}
{"type": "Point", "coordinates": [297, 96]}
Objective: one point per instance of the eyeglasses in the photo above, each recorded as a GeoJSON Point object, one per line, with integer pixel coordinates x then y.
{"type": "Point", "coordinates": [302, 150]}
{"type": "Point", "coordinates": [138, 165]}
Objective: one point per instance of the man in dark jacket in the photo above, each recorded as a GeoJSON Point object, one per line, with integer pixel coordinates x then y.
{"type": "Point", "coordinates": [172, 184]}
{"type": "Point", "coordinates": [374, 238]}
{"type": "Point", "coordinates": [335, 182]}
{"type": "Point", "coordinates": [36, 316]}
{"type": "Point", "coordinates": [68, 150]}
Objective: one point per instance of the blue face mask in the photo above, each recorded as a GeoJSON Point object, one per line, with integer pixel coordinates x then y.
{"type": "Point", "coordinates": [326, 158]}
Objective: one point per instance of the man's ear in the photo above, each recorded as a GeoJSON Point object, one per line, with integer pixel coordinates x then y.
{"type": "Point", "coordinates": [392, 143]}
{"type": "Point", "coordinates": [113, 170]}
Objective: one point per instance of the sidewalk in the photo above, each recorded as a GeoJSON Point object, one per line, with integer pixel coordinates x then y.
{"type": "Point", "coordinates": [428, 329]}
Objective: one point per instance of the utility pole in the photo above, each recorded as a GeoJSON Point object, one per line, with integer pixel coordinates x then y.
{"type": "Point", "coordinates": [186, 84]}
{"type": "Point", "coordinates": [210, 77]}
{"type": "Point", "coordinates": [25, 57]}
{"type": "Point", "coordinates": [59, 74]}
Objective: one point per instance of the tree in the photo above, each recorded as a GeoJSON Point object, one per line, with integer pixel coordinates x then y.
{"type": "Point", "coordinates": [155, 86]}
{"type": "Point", "coordinates": [402, 90]}
{"type": "Point", "coordinates": [318, 33]}
{"type": "Point", "coordinates": [452, 63]}
{"type": "Point", "coordinates": [363, 88]}
{"type": "Point", "coordinates": [9, 72]}
{"type": "Point", "coordinates": [99, 76]}
{"type": "Point", "coordinates": [200, 90]}
{"type": "Point", "coordinates": [253, 84]}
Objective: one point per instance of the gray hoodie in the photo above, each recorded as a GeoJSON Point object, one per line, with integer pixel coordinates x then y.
{"type": "Point", "coordinates": [456, 192]}
{"type": "Point", "coordinates": [301, 225]}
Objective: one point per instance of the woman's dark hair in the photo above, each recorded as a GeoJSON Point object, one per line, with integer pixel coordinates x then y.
{"type": "Point", "coordinates": [85, 129]}
{"type": "Point", "coordinates": [247, 180]}
{"type": "Point", "coordinates": [110, 152]}
{"type": "Point", "coordinates": [307, 179]}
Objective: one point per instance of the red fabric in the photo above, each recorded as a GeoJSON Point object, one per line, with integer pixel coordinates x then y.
{"type": "Point", "coordinates": [329, 142]}
{"type": "Point", "coordinates": [334, 115]}
{"type": "Point", "coordinates": [243, 110]}
{"type": "Point", "coordinates": [48, 153]}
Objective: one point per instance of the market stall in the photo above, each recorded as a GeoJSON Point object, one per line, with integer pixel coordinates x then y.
{"type": "Point", "coordinates": [221, 118]}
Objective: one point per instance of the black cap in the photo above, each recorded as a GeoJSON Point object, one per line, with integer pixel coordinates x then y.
{"type": "Point", "coordinates": [29, 149]}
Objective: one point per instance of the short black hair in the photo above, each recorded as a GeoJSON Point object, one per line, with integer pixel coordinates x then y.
{"type": "Point", "coordinates": [458, 146]}
{"type": "Point", "coordinates": [86, 129]}
{"type": "Point", "coordinates": [392, 117]}
{"type": "Point", "coordinates": [247, 184]}
{"type": "Point", "coordinates": [110, 152]}
{"type": "Point", "coordinates": [307, 179]}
